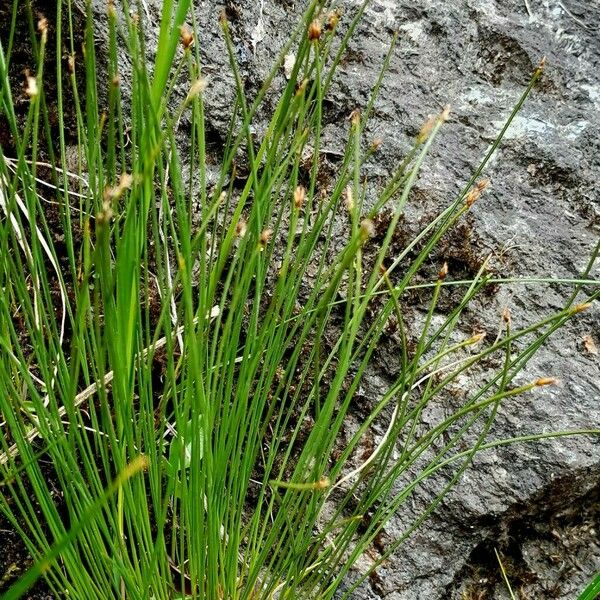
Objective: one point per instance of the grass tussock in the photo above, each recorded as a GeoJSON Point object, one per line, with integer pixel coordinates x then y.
{"type": "Point", "coordinates": [178, 364]}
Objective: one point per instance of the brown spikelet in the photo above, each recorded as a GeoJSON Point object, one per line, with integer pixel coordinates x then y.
{"type": "Point", "coordinates": [349, 199]}
{"type": "Point", "coordinates": [265, 236]}
{"type": "Point", "coordinates": [376, 144]}
{"type": "Point", "coordinates": [301, 87]}
{"type": "Point", "coordinates": [42, 26]}
{"type": "Point", "coordinates": [241, 228]}
{"type": "Point", "coordinates": [322, 484]}
{"type": "Point", "coordinates": [475, 192]}
{"type": "Point", "coordinates": [426, 129]}
{"type": "Point", "coordinates": [105, 215]}
{"type": "Point", "coordinates": [546, 381]}
{"type": "Point", "coordinates": [197, 87]}
{"type": "Point", "coordinates": [541, 66]}
{"type": "Point", "coordinates": [32, 88]}
{"type": "Point", "coordinates": [314, 31]}
{"type": "Point", "coordinates": [443, 272]}
{"type": "Point", "coordinates": [333, 18]}
{"type": "Point", "coordinates": [476, 338]}
{"type": "Point", "coordinates": [580, 307]}
{"type": "Point", "coordinates": [299, 196]}
{"type": "Point", "coordinates": [186, 36]}
{"type": "Point", "coordinates": [111, 194]}
{"type": "Point", "coordinates": [125, 182]}
{"type": "Point", "coordinates": [367, 229]}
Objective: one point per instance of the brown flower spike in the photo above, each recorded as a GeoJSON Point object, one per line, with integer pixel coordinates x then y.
{"type": "Point", "coordinates": [314, 31]}
{"type": "Point", "coordinates": [186, 35]}
{"type": "Point", "coordinates": [475, 192]}
{"type": "Point", "coordinates": [265, 236]}
{"type": "Point", "coordinates": [443, 272]}
{"type": "Point", "coordinates": [241, 228]}
{"type": "Point", "coordinates": [299, 196]}
{"type": "Point", "coordinates": [333, 18]}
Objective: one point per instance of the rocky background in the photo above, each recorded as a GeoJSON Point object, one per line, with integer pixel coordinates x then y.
{"type": "Point", "coordinates": [537, 504]}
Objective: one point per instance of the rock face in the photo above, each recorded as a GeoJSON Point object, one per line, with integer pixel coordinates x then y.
{"type": "Point", "coordinates": [536, 503]}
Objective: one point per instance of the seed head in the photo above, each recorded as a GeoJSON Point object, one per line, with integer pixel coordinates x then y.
{"type": "Point", "coordinates": [333, 18]}
{"type": "Point", "coordinates": [125, 182]}
{"type": "Point", "coordinates": [541, 66]}
{"type": "Point", "coordinates": [241, 228]}
{"type": "Point", "coordinates": [299, 196]}
{"type": "Point", "coordinates": [301, 87]}
{"type": "Point", "coordinates": [546, 381]}
{"type": "Point", "coordinates": [426, 129]}
{"type": "Point", "coordinates": [314, 31]}
{"type": "Point", "coordinates": [111, 194]}
{"type": "Point", "coordinates": [323, 483]}
{"type": "Point", "coordinates": [367, 229]}
{"type": "Point", "coordinates": [431, 122]}
{"type": "Point", "coordinates": [265, 236]}
{"type": "Point", "coordinates": [443, 272]}
{"type": "Point", "coordinates": [580, 307]}
{"type": "Point", "coordinates": [349, 199]}
{"type": "Point", "coordinates": [42, 27]}
{"type": "Point", "coordinates": [106, 214]}
{"type": "Point", "coordinates": [196, 88]}
{"type": "Point", "coordinates": [32, 89]}
{"type": "Point", "coordinates": [376, 144]}
{"type": "Point", "coordinates": [280, 373]}
{"type": "Point", "coordinates": [186, 36]}
{"type": "Point", "coordinates": [355, 117]}
{"type": "Point", "coordinates": [476, 338]}
{"type": "Point", "coordinates": [475, 192]}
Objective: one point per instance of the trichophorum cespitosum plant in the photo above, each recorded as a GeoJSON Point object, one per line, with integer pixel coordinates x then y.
{"type": "Point", "coordinates": [178, 365]}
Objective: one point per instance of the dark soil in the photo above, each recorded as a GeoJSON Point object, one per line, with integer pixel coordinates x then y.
{"type": "Point", "coordinates": [15, 559]}
{"type": "Point", "coordinates": [24, 60]}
